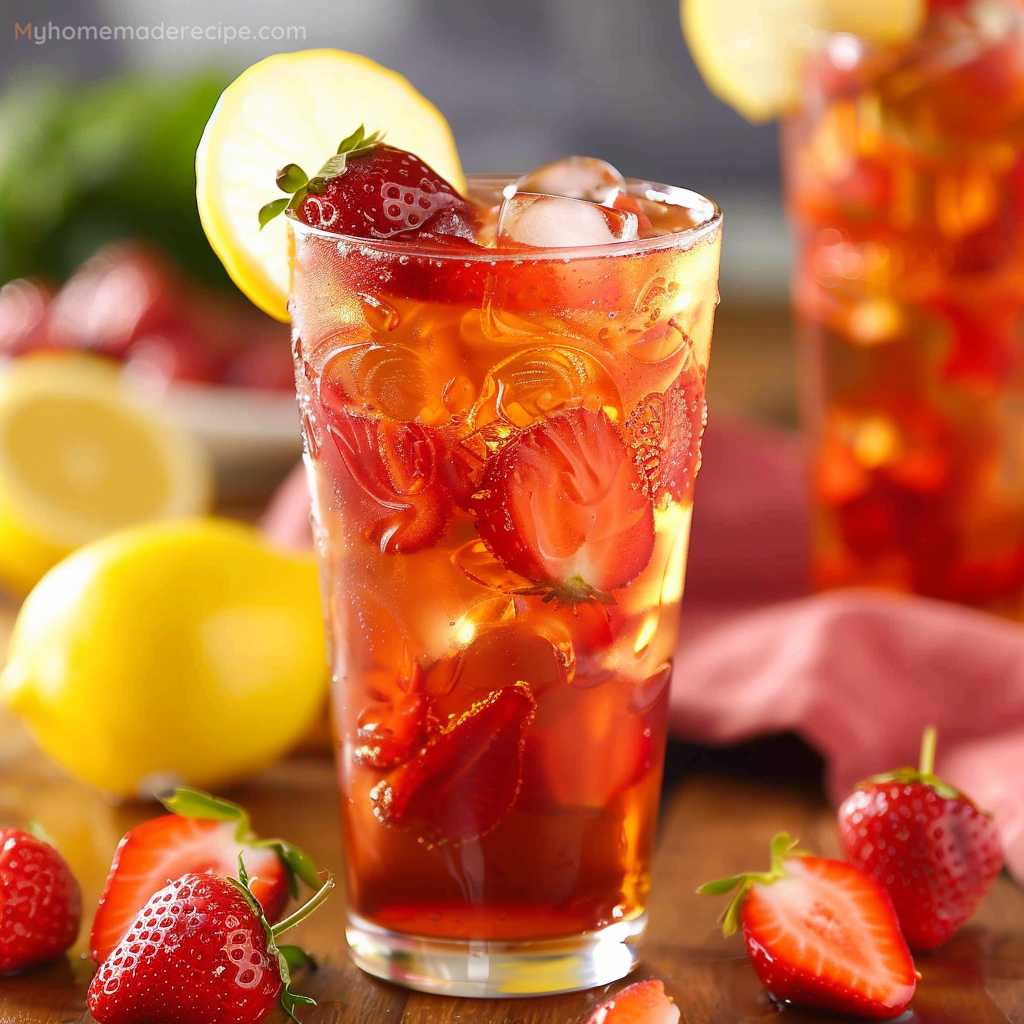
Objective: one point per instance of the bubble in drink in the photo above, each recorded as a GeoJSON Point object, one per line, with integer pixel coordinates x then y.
{"type": "Point", "coordinates": [550, 222]}
{"type": "Point", "coordinates": [574, 177]}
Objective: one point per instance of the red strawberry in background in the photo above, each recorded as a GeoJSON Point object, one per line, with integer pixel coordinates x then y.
{"type": "Point", "coordinates": [562, 503]}
{"type": "Point", "coordinates": [820, 933]}
{"type": "Point", "coordinates": [932, 849]}
{"type": "Point", "coordinates": [201, 950]}
{"type": "Point", "coordinates": [204, 834]}
{"type": "Point", "coordinates": [467, 777]}
{"type": "Point", "coordinates": [643, 1002]}
{"type": "Point", "coordinates": [25, 317]}
{"type": "Point", "coordinates": [40, 902]}
{"type": "Point", "coordinates": [122, 293]}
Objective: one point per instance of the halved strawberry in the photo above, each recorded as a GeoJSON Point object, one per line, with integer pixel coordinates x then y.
{"type": "Point", "coordinates": [562, 503]}
{"type": "Point", "coordinates": [203, 834]}
{"type": "Point", "coordinates": [399, 497]}
{"type": "Point", "coordinates": [821, 933]}
{"type": "Point", "coordinates": [467, 778]}
{"type": "Point", "coordinates": [643, 1002]}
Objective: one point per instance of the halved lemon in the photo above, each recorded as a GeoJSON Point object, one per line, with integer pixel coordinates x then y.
{"type": "Point", "coordinates": [296, 108]}
{"type": "Point", "coordinates": [749, 51]}
{"type": "Point", "coordinates": [80, 458]}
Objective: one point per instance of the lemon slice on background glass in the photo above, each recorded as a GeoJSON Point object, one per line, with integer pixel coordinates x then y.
{"type": "Point", "coordinates": [297, 108]}
{"type": "Point", "coordinates": [81, 457]}
{"type": "Point", "coordinates": [749, 51]}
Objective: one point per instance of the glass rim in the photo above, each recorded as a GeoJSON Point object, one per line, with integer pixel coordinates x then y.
{"type": "Point", "coordinates": [689, 237]}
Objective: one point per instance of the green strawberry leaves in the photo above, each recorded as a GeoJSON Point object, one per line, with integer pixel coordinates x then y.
{"type": "Point", "coordinates": [783, 846]}
{"type": "Point", "coordinates": [292, 178]}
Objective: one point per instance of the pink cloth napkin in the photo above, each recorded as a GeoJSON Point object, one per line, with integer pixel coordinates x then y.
{"type": "Point", "coordinates": [857, 674]}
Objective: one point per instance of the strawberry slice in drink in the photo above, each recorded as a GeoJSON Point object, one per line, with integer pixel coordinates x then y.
{"type": "Point", "coordinates": [562, 503]}
{"type": "Point", "coordinates": [390, 478]}
{"type": "Point", "coordinates": [557, 777]}
{"type": "Point", "coordinates": [390, 730]}
{"type": "Point", "coordinates": [467, 778]}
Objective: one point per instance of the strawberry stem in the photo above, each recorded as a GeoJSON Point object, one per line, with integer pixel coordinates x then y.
{"type": "Point", "coordinates": [305, 910]}
{"type": "Point", "coordinates": [927, 765]}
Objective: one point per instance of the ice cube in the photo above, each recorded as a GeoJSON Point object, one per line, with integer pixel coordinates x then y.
{"type": "Point", "coordinates": [543, 221]}
{"type": "Point", "coordinates": [575, 177]}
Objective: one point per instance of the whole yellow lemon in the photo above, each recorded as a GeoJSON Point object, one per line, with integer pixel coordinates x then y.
{"type": "Point", "coordinates": [186, 651]}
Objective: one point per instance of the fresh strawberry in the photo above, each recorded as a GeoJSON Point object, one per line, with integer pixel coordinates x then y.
{"type": "Point", "coordinates": [820, 933]}
{"type": "Point", "coordinates": [562, 503]}
{"type": "Point", "coordinates": [201, 950]}
{"type": "Point", "coordinates": [467, 777]}
{"type": "Point", "coordinates": [40, 902]}
{"type": "Point", "coordinates": [643, 1002]}
{"type": "Point", "coordinates": [390, 480]}
{"type": "Point", "coordinates": [203, 834]}
{"type": "Point", "coordinates": [24, 317]}
{"type": "Point", "coordinates": [372, 190]}
{"type": "Point", "coordinates": [932, 849]}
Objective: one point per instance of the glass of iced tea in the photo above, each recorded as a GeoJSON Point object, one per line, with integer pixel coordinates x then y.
{"type": "Point", "coordinates": [502, 433]}
{"type": "Point", "coordinates": [905, 183]}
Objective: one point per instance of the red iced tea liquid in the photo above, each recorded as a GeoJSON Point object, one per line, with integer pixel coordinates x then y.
{"type": "Point", "coordinates": [500, 688]}
{"type": "Point", "coordinates": [905, 183]}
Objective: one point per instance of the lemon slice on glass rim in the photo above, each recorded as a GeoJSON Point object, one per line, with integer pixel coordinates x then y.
{"type": "Point", "coordinates": [297, 108]}
{"type": "Point", "coordinates": [749, 51]}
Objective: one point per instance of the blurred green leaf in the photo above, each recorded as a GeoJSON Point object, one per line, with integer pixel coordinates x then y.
{"type": "Point", "coordinates": [82, 164]}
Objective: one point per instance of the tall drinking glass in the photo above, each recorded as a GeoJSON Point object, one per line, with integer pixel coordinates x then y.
{"type": "Point", "coordinates": [905, 184]}
{"type": "Point", "coordinates": [502, 448]}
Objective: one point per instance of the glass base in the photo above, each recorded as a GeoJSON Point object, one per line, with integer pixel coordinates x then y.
{"type": "Point", "coordinates": [497, 969]}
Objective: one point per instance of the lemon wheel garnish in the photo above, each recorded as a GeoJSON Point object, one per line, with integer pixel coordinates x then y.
{"type": "Point", "coordinates": [750, 51]}
{"type": "Point", "coordinates": [80, 457]}
{"type": "Point", "coordinates": [297, 108]}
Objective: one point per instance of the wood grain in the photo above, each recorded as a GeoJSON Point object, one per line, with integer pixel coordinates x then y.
{"type": "Point", "coordinates": [711, 827]}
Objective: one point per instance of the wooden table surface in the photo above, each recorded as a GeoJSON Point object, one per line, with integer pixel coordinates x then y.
{"type": "Point", "coordinates": [711, 827]}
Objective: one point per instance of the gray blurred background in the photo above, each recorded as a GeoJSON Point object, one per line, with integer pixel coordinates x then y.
{"type": "Point", "coordinates": [521, 83]}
